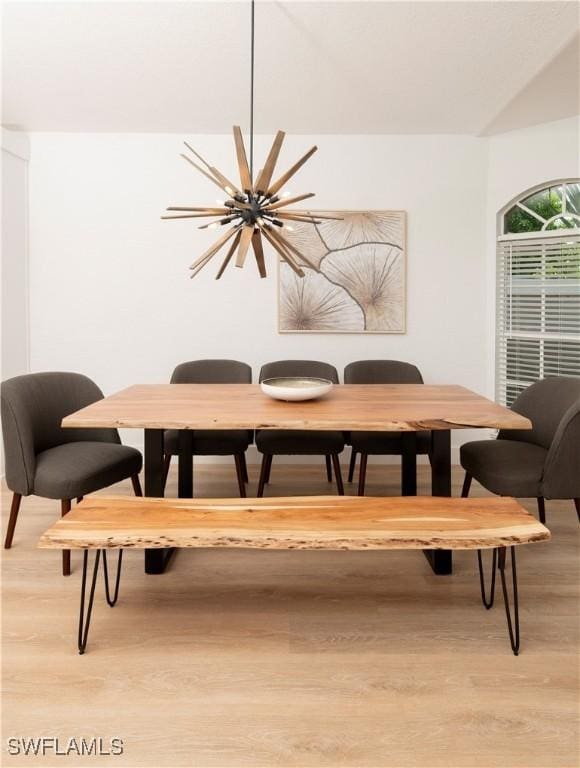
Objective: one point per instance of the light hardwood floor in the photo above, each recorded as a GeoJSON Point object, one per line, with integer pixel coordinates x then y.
{"type": "Point", "coordinates": [249, 658]}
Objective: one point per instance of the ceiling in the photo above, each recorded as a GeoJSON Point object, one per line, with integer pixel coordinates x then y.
{"type": "Point", "coordinates": [321, 67]}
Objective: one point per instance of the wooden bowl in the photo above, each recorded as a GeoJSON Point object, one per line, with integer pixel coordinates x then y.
{"type": "Point", "coordinates": [294, 388]}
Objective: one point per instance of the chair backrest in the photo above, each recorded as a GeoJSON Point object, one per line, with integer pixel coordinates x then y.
{"type": "Point", "coordinates": [545, 403]}
{"type": "Point", "coordinates": [212, 372]}
{"type": "Point", "coordinates": [382, 372]}
{"type": "Point", "coordinates": [33, 407]}
{"type": "Point", "coordinates": [299, 368]}
{"type": "Point", "coordinates": [561, 478]}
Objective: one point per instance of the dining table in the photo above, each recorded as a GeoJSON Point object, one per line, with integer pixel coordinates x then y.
{"type": "Point", "coordinates": [403, 408]}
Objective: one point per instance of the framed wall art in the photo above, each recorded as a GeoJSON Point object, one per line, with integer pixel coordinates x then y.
{"type": "Point", "coordinates": [356, 279]}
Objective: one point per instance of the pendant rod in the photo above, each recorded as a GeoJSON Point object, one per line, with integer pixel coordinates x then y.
{"type": "Point", "coordinates": [252, 95]}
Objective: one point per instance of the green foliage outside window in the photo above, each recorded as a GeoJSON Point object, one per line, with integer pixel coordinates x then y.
{"type": "Point", "coordinates": [546, 203]}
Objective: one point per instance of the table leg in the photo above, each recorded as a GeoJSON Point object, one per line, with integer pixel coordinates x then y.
{"type": "Point", "coordinates": [441, 462]}
{"type": "Point", "coordinates": [154, 479]}
{"type": "Point", "coordinates": [409, 464]}
{"type": "Point", "coordinates": [155, 559]}
{"type": "Point", "coordinates": [185, 469]}
{"type": "Point", "coordinates": [440, 560]}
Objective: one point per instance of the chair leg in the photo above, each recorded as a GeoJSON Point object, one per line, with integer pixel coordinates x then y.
{"type": "Point", "coordinates": [337, 474]}
{"type": "Point", "coordinates": [264, 473]}
{"type": "Point", "coordinates": [328, 469]}
{"type": "Point", "coordinates": [268, 470]}
{"type": "Point", "coordinates": [244, 467]}
{"type": "Point", "coordinates": [577, 505]}
{"type": "Point", "coordinates": [362, 474]}
{"type": "Point", "coordinates": [466, 486]}
{"type": "Point", "coordinates": [542, 509]}
{"type": "Point", "coordinates": [166, 466]}
{"type": "Point", "coordinates": [240, 475]}
{"type": "Point", "coordinates": [136, 485]}
{"type": "Point", "coordinates": [352, 465]}
{"type": "Point", "coordinates": [65, 509]}
{"type": "Point", "coordinates": [14, 509]}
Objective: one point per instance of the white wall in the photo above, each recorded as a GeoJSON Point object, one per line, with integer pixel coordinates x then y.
{"type": "Point", "coordinates": [517, 161]}
{"type": "Point", "coordinates": [15, 153]}
{"type": "Point", "coordinates": [110, 290]}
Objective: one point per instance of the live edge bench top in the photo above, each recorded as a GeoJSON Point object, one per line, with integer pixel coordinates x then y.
{"type": "Point", "coordinates": [307, 522]}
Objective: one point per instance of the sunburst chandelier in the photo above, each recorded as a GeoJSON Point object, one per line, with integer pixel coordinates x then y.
{"type": "Point", "coordinates": [255, 208]}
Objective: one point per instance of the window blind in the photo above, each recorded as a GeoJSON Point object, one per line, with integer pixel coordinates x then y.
{"type": "Point", "coordinates": [538, 310]}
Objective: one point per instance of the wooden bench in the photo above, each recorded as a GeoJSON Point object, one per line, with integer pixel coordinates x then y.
{"type": "Point", "coordinates": [102, 523]}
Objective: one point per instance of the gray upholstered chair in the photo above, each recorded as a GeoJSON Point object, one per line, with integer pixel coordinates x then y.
{"type": "Point", "coordinates": [207, 442]}
{"type": "Point", "coordinates": [300, 442]}
{"type": "Point", "coordinates": [380, 443]}
{"type": "Point", "coordinates": [541, 463]}
{"type": "Point", "coordinates": [46, 460]}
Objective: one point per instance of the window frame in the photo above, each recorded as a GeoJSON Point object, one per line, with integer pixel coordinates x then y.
{"type": "Point", "coordinates": [502, 322]}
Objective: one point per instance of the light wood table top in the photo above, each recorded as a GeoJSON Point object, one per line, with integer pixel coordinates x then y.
{"type": "Point", "coordinates": [372, 407]}
{"type": "Point", "coordinates": [308, 522]}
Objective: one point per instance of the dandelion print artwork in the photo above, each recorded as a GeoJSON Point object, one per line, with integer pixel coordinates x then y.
{"type": "Point", "coordinates": [355, 276]}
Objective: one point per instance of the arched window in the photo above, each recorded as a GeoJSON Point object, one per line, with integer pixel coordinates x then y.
{"type": "Point", "coordinates": [538, 287]}
{"type": "Point", "coordinates": [546, 209]}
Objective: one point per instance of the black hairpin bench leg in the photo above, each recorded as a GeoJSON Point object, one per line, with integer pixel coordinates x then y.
{"type": "Point", "coordinates": [499, 561]}
{"type": "Point", "coordinates": [513, 625]}
{"type": "Point", "coordinates": [86, 612]}
{"type": "Point", "coordinates": [488, 602]}
{"type": "Point", "coordinates": [112, 600]}
{"type": "Point", "coordinates": [85, 617]}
